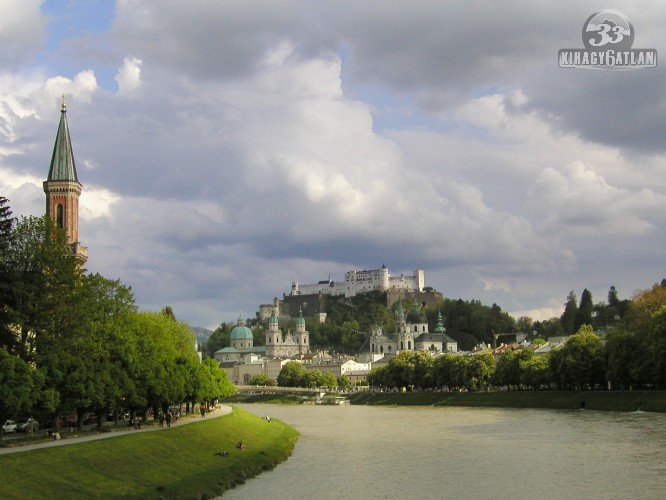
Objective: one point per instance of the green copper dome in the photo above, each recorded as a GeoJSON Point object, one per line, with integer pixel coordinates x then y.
{"type": "Point", "coordinates": [241, 332]}
{"type": "Point", "coordinates": [415, 316]}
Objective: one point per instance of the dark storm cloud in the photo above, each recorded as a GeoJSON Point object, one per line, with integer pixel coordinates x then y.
{"type": "Point", "coordinates": [245, 144]}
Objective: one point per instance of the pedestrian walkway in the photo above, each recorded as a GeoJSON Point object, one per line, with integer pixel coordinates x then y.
{"type": "Point", "coordinates": [220, 411]}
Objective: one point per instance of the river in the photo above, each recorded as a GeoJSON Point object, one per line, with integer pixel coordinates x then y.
{"type": "Point", "coordinates": [366, 452]}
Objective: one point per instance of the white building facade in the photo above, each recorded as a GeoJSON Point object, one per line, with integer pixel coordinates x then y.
{"type": "Point", "coordinates": [358, 282]}
{"type": "Point", "coordinates": [279, 345]}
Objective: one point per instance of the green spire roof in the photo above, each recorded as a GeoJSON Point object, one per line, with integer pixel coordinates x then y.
{"type": "Point", "coordinates": [62, 162]}
{"type": "Point", "coordinates": [439, 328]}
{"type": "Point", "coordinates": [300, 320]}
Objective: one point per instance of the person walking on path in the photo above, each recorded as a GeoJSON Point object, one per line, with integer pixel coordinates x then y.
{"type": "Point", "coordinates": [168, 419]}
{"type": "Point", "coordinates": [161, 419]}
{"type": "Point", "coordinates": [203, 412]}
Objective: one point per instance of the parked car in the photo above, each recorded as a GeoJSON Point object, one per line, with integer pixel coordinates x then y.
{"type": "Point", "coordinates": [27, 425]}
{"type": "Point", "coordinates": [68, 420]}
{"type": "Point", "coordinates": [9, 427]}
{"type": "Point", "coordinates": [89, 418]}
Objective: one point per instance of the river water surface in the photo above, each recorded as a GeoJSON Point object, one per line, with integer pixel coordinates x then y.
{"type": "Point", "coordinates": [366, 452]}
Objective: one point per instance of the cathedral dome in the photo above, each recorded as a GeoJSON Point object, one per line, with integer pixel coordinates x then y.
{"type": "Point", "coordinates": [241, 332]}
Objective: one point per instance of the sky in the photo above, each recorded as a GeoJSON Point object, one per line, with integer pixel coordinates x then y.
{"type": "Point", "coordinates": [228, 148]}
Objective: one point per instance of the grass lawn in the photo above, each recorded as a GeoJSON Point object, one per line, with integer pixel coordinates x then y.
{"type": "Point", "coordinates": [179, 462]}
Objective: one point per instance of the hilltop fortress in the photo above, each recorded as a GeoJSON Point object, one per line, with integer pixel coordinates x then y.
{"type": "Point", "coordinates": [313, 299]}
{"type": "Point", "coordinates": [357, 282]}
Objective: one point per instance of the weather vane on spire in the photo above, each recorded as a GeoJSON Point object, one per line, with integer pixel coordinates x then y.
{"type": "Point", "coordinates": [63, 108]}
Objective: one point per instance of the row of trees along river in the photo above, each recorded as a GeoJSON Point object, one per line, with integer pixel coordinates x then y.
{"type": "Point", "coordinates": [76, 342]}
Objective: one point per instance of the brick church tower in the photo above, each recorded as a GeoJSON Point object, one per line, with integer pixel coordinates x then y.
{"type": "Point", "coordinates": [62, 188]}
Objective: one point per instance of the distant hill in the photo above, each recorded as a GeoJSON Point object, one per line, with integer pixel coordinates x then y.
{"type": "Point", "coordinates": [202, 334]}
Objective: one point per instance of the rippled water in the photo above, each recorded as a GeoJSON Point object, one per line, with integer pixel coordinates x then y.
{"type": "Point", "coordinates": [414, 452]}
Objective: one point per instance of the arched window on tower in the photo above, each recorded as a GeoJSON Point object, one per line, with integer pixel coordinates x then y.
{"type": "Point", "coordinates": [60, 216]}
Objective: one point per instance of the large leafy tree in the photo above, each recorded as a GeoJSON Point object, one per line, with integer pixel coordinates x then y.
{"type": "Point", "coordinates": [480, 370]}
{"type": "Point", "coordinates": [511, 366]}
{"type": "Point", "coordinates": [43, 278]}
{"type": "Point", "coordinates": [450, 371]}
{"type": "Point", "coordinates": [535, 371]}
{"type": "Point", "coordinates": [401, 370]}
{"type": "Point", "coordinates": [624, 358]}
{"type": "Point", "coordinates": [84, 359]}
{"type": "Point", "coordinates": [20, 385]}
{"type": "Point", "coordinates": [212, 382]}
{"type": "Point", "coordinates": [164, 350]}
{"type": "Point", "coordinates": [580, 363]}
{"type": "Point", "coordinates": [291, 375]}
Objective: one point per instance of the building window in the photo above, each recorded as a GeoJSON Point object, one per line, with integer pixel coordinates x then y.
{"type": "Point", "coordinates": [60, 216]}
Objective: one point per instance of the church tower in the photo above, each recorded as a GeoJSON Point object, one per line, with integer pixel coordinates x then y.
{"type": "Point", "coordinates": [273, 336]}
{"type": "Point", "coordinates": [62, 188]}
{"type": "Point", "coordinates": [302, 335]}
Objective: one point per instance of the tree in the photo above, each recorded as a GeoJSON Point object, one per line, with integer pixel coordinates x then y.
{"type": "Point", "coordinates": [6, 226]}
{"type": "Point", "coordinates": [401, 371]}
{"type": "Point", "coordinates": [83, 360]}
{"type": "Point", "coordinates": [376, 378]}
{"type": "Point", "coordinates": [329, 380]}
{"type": "Point", "coordinates": [163, 353]}
{"type": "Point", "coordinates": [219, 339]}
{"type": "Point", "coordinates": [658, 346]}
{"type": "Point", "coordinates": [20, 386]}
{"type": "Point", "coordinates": [450, 371]}
{"type": "Point", "coordinates": [568, 317]}
{"type": "Point", "coordinates": [6, 223]}
{"type": "Point", "coordinates": [291, 375]}
{"type": "Point", "coordinates": [549, 328]}
{"type": "Point", "coordinates": [535, 371]}
{"type": "Point", "coordinates": [525, 324]}
{"type": "Point", "coordinates": [584, 314]}
{"type": "Point", "coordinates": [510, 367]}
{"type": "Point", "coordinates": [41, 280]}
{"type": "Point", "coordinates": [344, 384]}
{"type": "Point", "coordinates": [580, 363]}
{"type": "Point", "coordinates": [480, 369]}
{"type": "Point", "coordinates": [624, 356]}
{"type": "Point", "coordinates": [644, 304]}
{"type": "Point", "coordinates": [212, 382]}
{"type": "Point", "coordinates": [263, 380]}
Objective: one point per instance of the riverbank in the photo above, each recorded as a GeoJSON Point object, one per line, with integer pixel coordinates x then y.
{"type": "Point", "coordinates": [652, 401]}
{"type": "Point", "coordinates": [179, 462]}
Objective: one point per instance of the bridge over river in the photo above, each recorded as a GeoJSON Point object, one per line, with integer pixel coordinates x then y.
{"type": "Point", "coordinates": [249, 389]}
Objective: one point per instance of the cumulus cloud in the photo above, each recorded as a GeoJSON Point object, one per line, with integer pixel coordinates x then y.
{"type": "Point", "coordinates": [264, 143]}
{"type": "Point", "coordinates": [577, 199]}
{"type": "Point", "coordinates": [22, 31]}
{"type": "Point", "coordinates": [129, 76]}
